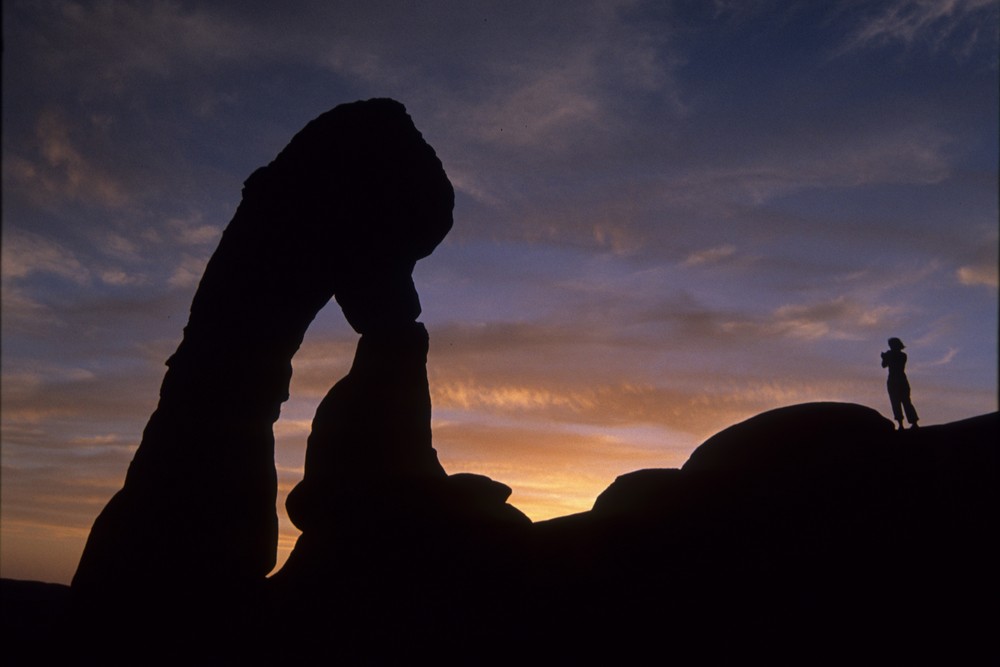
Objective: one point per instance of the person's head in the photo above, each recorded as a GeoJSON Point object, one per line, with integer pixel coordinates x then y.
{"type": "Point", "coordinates": [896, 344]}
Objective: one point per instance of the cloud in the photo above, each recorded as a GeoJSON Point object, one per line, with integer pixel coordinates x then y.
{"type": "Point", "coordinates": [61, 463]}
{"type": "Point", "coordinates": [908, 154]}
{"type": "Point", "coordinates": [978, 263]}
{"type": "Point", "coordinates": [293, 429]}
{"type": "Point", "coordinates": [681, 380]}
{"type": "Point", "coordinates": [979, 275]}
{"type": "Point", "coordinates": [23, 313]}
{"type": "Point", "coordinates": [709, 256]}
{"type": "Point", "coordinates": [61, 170]}
{"type": "Point", "coordinates": [546, 93]}
{"type": "Point", "coordinates": [72, 402]}
{"type": "Point", "coordinates": [946, 359]}
{"type": "Point", "coordinates": [26, 253]}
{"type": "Point", "coordinates": [558, 465]}
{"type": "Point", "coordinates": [842, 318]}
{"type": "Point", "coordinates": [935, 23]}
{"type": "Point", "coordinates": [149, 37]}
{"type": "Point", "coordinates": [188, 272]}
{"type": "Point", "coordinates": [120, 278]}
{"type": "Point", "coordinates": [324, 358]}
{"type": "Point", "coordinates": [192, 231]}
{"type": "Point", "coordinates": [471, 395]}
{"type": "Point", "coordinates": [980, 268]}
{"type": "Point", "coordinates": [542, 110]}
{"type": "Point", "coordinates": [47, 514]}
{"type": "Point", "coordinates": [119, 246]}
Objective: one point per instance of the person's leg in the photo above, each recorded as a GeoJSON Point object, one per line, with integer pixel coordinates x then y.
{"type": "Point", "coordinates": [895, 400]}
{"type": "Point", "coordinates": [911, 412]}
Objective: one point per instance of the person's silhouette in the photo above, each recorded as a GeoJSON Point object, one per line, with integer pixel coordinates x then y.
{"type": "Point", "coordinates": [899, 387]}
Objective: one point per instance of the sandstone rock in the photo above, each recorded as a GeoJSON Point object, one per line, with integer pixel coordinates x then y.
{"type": "Point", "coordinates": [812, 530]}
{"type": "Point", "coordinates": [346, 208]}
{"type": "Point", "coordinates": [641, 490]}
{"type": "Point", "coordinates": [371, 434]}
{"type": "Point", "coordinates": [391, 546]}
{"type": "Point", "coordinates": [371, 467]}
{"type": "Point", "coordinates": [791, 439]}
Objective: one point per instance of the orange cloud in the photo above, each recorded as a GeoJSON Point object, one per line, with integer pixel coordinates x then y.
{"type": "Point", "coordinates": [979, 275]}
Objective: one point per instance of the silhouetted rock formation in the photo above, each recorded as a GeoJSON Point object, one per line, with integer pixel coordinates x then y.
{"type": "Point", "coordinates": [800, 439]}
{"type": "Point", "coordinates": [778, 541]}
{"type": "Point", "coordinates": [813, 530]}
{"type": "Point", "coordinates": [345, 209]}
{"type": "Point", "coordinates": [372, 431]}
{"type": "Point", "coordinates": [386, 535]}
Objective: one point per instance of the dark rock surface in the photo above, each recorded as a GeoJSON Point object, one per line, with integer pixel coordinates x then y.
{"type": "Point", "coordinates": [345, 209]}
{"type": "Point", "coordinates": [371, 431]}
{"type": "Point", "coordinates": [797, 439]}
{"type": "Point", "coordinates": [810, 533]}
{"type": "Point", "coordinates": [391, 546]}
{"type": "Point", "coordinates": [887, 555]}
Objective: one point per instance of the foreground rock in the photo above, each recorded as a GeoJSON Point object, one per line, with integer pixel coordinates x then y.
{"type": "Point", "coordinates": [776, 541]}
{"type": "Point", "coordinates": [812, 533]}
{"type": "Point", "coordinates": [346, 208]}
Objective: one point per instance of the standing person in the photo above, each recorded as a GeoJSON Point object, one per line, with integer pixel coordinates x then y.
{"type": "Point", "coordinates": [899, 387]}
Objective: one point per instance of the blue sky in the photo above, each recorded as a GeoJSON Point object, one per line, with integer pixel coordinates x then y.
{"type": "Point", "coordinates": [669, 216]}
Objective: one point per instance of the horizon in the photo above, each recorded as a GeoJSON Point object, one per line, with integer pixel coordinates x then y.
{"type": "Point", "coordinates": [669, 217]}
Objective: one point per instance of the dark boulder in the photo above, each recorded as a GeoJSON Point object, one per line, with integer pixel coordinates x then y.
{"type": "Point", "coordinates": [639, 491]}
{"type": "Point", "coordinates": [793, 439]}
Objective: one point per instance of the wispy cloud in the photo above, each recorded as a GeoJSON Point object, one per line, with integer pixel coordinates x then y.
{"type": "Point", "coordinates": [470, 395]}
{"type": "Point", "coordinates": [983, 268]}
{"type": "Point", "coordinates": [26, 253]}
{"type": "Point", "coordinates": [188, 272]}
{"type": "Point", "coordinates": [88, 398]}
{"type": "Point", "coordinates": [841, 318]}
{"type": "Point", "coordinates": [710, 255]}
{"type": "Point", "coordinates": [193, 231]}
{"type": "Point", "coordinates": [157, 37]}
{"type": "Point", "coordinates": [23, 313]}
{"type": "Point", "coordinates": [120, 278]}
{"type": "Point", "coordinates": [979, 275]}
{"type": "Point", "coordinates": [945, 359]}
{"type": "Point", "coordinates": [60, 169]}
{"type": "Point", "coordinates": [914, 154]}
{"type": "Point", "coordinates": [963, 24]}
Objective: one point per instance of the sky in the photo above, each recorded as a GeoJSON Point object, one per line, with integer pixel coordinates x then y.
{"type": "Point", "coordinates": [670, 216]}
